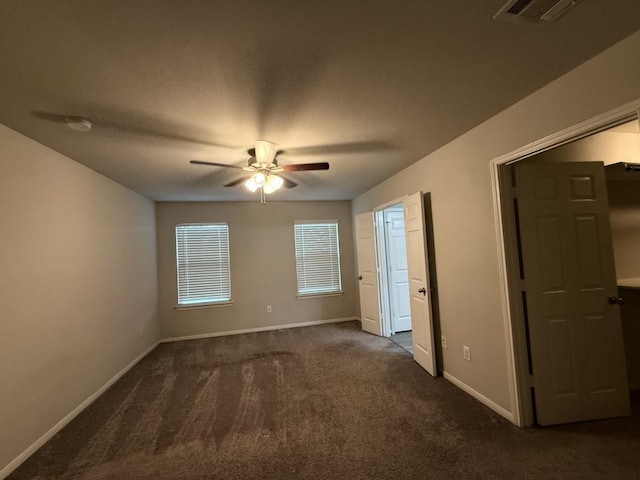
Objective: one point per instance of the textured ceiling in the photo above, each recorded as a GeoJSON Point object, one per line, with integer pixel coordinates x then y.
{"type": "Point", "coordinates": [369, 86]}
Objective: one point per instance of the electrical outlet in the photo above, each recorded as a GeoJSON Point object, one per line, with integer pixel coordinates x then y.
{"type": "Point", "coordinates": [140, 330]}
{"type": "Point", "coordinates": [269, 309]}
{"type": "Point", "coordinates": [466, 353]}
{"type": "Point", "coordinates": [443, 340]}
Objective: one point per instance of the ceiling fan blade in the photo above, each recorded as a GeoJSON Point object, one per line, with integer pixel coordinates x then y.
{"type": "Point", "coordinates": [288, 183]}
{"type": "Point", "coordinates": [215, 164]}
{"type": "Point", "coordinates": [237, 181]}
{"type": "Point", "coordinates": [306, 166]}
{"type": "Point", "coordinates": [55, 117]}
{"type": "Point", "coordinates": [126, 128]}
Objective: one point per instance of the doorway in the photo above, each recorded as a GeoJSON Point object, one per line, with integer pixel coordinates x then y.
{"type": "Point", "coordinates": [370, 233]}
{"type": "Point", "coordinates": [568, 363]}
{"type": "Point", "coordinates": [394, 275]}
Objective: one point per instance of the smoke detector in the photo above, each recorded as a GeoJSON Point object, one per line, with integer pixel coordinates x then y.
{"type": "Point", "coordinates": [541, 12]}
{"type": "Point", "coordinates": [79, 124]}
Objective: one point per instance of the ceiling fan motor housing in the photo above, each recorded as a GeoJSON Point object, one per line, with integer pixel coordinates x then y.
{"type": "Point", "coordinates": [265, 152]}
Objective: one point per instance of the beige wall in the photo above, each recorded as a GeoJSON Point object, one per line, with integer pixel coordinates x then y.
{"type": "Point", "coordinates": [458, 177]}
{"type": "Point", "coordinates": [263, 269]}
{"type": "Point", "coordinates": [77, 282]}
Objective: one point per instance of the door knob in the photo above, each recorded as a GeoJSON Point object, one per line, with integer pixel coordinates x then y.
{"type": "Point", "coordinates": [613, 300]}
{"type": "Point", "coordinates": [359, 277]}
{"type": "Point", "coordinates": [422, 291]}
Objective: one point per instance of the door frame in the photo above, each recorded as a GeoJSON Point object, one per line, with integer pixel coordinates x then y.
{"type": "Point", "coordinates": [517, 354]}
{"type": "Point", "coordinates": [383, 266]}
{"type": "Point", "coordinates": [382, 255]}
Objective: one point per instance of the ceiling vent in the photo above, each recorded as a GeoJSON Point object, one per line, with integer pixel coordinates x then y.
{"type": "Point", "coordinates": [541, 12]}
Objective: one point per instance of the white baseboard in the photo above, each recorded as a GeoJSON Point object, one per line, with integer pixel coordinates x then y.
{"type": "Point", "coordinates": [478, 396]}
{"type": "Point", "coordinates": [257, 329]}
{"type": "Point", "coordinates": [16, 462]}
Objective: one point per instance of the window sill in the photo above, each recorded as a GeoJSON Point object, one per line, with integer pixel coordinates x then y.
{"type": "Point", "coordinates": [318, 295]}
{"type": "Point", "coordinates": [199, 306]}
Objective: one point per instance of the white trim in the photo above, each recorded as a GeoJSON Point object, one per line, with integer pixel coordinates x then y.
{"type": "Point", "coordinates": [478, 396]}
{"type": "Point", "coordinates": [514, 393]}
{"type": "Point", "coordinates": [301, 296]}
{"type": "Point", "coordinates": [16, 462]}
{"type": "Point", "coordinates": [391, 203]}
{"type": "Point", "coordinates": [384, 309]}
{"type": "Point", "coordinates": [199, 306]}
{"type": "Point", "coordinates": [588, 127]}
{"type": "Point", "coordinates": [314, 222]}
{"type": "Point", "coordinates": [257, 329]}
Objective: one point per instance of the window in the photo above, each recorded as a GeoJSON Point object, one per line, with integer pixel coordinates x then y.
{"type": "Point", "coordinates": [317, 258]}
{"type": "Point", "coordinates": [202, 254]}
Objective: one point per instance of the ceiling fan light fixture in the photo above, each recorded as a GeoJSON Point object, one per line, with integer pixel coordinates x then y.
{"type": "Point", "coordinates": [276, 181]}
{"type": "Point", "coordinates": [273, 183]}
{"type": "Point", "coordinates": [259, 179]}
{"type": "Point", "coordinates": [251, 185]}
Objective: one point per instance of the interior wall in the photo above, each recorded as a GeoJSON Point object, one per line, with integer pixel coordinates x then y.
{"type": "Point", "coordinates": [78, 286]}
{"type": "Point", "coordinates": [457, 176]}
{"type": "Point", "coordinates": [263, 266]}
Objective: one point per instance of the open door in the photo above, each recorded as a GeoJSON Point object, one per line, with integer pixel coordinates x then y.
{"type": "Point", "coordinates": [398, 275]}
{"type": "Point", "coordinates": [419, 289]}
{"type": "Point", "coordinates": [570, 292]}
{"type": "Point", "coordinates": [367, 274]}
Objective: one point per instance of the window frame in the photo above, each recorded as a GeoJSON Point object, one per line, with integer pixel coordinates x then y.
{"type": "Point", "coordinates": [209, 303]}
{"type": "Point", "coordinates": [338, 261]}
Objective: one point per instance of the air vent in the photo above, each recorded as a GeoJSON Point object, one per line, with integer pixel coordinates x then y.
{"type": "Point", "coordinates": [541, 12]}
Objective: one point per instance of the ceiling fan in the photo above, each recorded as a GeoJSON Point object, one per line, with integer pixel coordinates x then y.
{"type": "Point", "coordinates": [264, 170]}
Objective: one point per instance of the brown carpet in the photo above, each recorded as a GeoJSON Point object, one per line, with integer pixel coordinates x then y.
{"type": "Point", "coordinates": [326, 402]}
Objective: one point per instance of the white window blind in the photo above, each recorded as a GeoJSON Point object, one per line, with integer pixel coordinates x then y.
{"type": "Point", "coordinates": [202, 253]}
{"type": "Point", "coordinates": [317, 258]}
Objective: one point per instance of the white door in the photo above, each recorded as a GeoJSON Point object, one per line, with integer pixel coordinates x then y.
{"type": "Point", "coordinates": [575, 334]}
{"type": "Point", "coordinates": [398, 273]}
{"type": "Point", "coordinates": [419, 290]}
{"type": "Point", "coordinates": [367, 274]}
